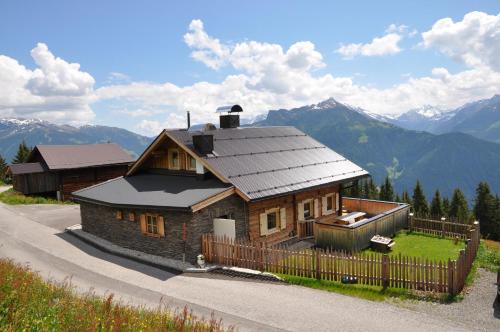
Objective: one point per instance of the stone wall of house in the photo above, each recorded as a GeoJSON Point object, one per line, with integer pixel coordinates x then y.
{"type": "Point", "coordinates": [102, 221]}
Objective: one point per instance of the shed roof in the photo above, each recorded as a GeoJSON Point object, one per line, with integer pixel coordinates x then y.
{"type": "Point", "coordinates": [81, 155]}
{"type": "Point", "coordinates": [26, 168]}
{"type": "Point", "coordinates": [153, 190]}
{"type": "Point", "coordinates": [268, 161]}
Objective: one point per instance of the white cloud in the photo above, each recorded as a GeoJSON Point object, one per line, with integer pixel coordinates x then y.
{"type": "Point", "coordinates": [269, 77]}
{"type": "Point", "coordinates": [56, 91]}
{"type": "Point", "coordinates": [265, 76]}
{"type": "Point", "coordinates": [474, 41]}
{"type": "Point", "coordinates": [385, 45]}
{"type": "Point", "coordinates": [153, 128]}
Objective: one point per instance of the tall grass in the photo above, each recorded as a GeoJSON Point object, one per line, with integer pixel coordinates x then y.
{"type": "Point", "coordinates": [28, 303]}
{"type": "Point", "coordinates": [14, 198]}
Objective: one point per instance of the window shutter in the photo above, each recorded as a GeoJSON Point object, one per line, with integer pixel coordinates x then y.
{"type": "Point", "coordinates": [323, 205]}
{"type": "Point", "coordinates": [161, 226]}
{"type": "Point", "coordinates": [337, 202]}
{"type": "Point", "coordinates": [283, 218]}
{"type": "Point", "coordinates": [143, 224]}
{"type": "Point", "coordinates": [316, 208]}
{"type": "Point", "coordinates": [301, 211]}
{"type": "Point", "coordinates": [263, 224]}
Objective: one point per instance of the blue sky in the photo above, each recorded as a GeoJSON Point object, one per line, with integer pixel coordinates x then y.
{"type": "Point", "coordinates": [138, 70]}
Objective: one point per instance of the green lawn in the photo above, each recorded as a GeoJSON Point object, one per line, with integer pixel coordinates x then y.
{"type": "Point", "coordinates": [427, 246]}
{"type": "Point", "coordinates": [13, 198]}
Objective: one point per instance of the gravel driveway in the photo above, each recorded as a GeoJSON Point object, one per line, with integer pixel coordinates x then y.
{"type": "Point", "coordinates": [480, 309]}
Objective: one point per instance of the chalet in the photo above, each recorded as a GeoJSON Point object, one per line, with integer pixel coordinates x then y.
{"type": "Point", "coordinates": [261, 184]}
{"type": "Point", "coordinates": [59, 170]}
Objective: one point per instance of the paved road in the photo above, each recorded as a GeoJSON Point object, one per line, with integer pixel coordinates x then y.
{"type": "Point", "coordinates": [248, 305]}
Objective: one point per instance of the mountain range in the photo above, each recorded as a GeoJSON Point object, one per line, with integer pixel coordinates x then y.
{"type": "Point", "coordinates": [480, 119]}
{"type": "Point", "coordinates": [440, 161]}
{"type": "Point", "coordinates": [33, 132]}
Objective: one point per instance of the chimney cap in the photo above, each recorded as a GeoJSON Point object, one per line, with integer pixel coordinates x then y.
{"type": "Point", "coordinates": [230, 109]}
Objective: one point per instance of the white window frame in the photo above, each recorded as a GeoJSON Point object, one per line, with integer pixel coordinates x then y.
{"type": "Point", "coordinates": [311, 210]}
{"type": "Point", "coordinates": [327, 211]}
{"type": "Point", "coordinates": [281, 221]}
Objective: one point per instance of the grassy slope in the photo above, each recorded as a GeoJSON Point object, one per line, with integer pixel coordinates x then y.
{"type": "Point", "coordinates": [421, 245]}
{"type": "Point", "coordinates": [14, 198]}
{"type": "Point", "coordinates": [28, 303]}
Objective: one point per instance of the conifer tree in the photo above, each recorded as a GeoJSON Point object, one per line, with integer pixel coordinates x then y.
{"type": "Point", "coordinates": [405, 198]}
{"type": "Point", "coordinates": [459, 208]}
{"type": "Point", "coordinates": [446, 207]}
{"type": "Point", "coordinates": [420, 205]}
{"type": "Point", "coordinates": [3, 168]}
{"type": "Point", "coordinates": [486, 210]}
{"type": "Point", "coordinates": [22, 153]}
{"type": "Point", "coordinates": [372, 190]}
{"type": "Point", "coordinates": [398, 199]}
{"type": "Point", "coordinates": [436, 206]}
{"type": "Point", "coordinates": [386, 190]}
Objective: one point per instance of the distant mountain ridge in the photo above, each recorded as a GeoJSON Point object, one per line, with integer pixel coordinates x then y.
{"type": "Point", "coordinates": [34, 131]}
{"type": "Point", "coordinates": [439, 161]}
{"type": "Point", "coordinates": [480, 119]}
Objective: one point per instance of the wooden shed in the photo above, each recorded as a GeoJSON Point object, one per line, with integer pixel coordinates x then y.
{"type": "Point", "coordinates": [59, 170]}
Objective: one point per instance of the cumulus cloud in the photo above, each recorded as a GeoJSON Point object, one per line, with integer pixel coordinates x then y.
{"type": "Point", "coordinates": [474, 41]}
{"type": "Point", "coordinates": [269, 77]}
{"type": "Point", "coordinates": [56, 90]}
{"type": "Point", "coordinates": [385, 45]}
{"type": "Point", "coordinates": [263, 76]}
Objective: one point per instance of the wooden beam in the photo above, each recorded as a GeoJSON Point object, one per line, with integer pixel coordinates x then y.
{"type": "Point", "coordinates": [146, 153]}
{"type": "Point", "coordinates": [213, 199]}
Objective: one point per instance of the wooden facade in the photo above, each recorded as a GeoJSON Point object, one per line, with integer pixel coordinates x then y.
{"type": "Point", "coordinates": [292, 207]}
{"type": "Point", "coordinates": [65, 182]}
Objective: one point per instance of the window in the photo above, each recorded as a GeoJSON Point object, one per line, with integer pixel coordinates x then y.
{"type": "Point", "coordinates": [308, 210]}
{"type": "Point", "coordinates": [151, 224]}
{"type": "Point", "coordinates": [119, 215]}
{"type": "Point", "coordinates": [191, 163]}
{"type": "Point", "coordinates": [131, 216]}
{"type": "Point", "coordinates": [173, 158]}
{"type": "Point", "coordinates": [272, 219]}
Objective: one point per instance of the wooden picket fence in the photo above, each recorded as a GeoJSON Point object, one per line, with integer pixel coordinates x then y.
{"type": "Point", "coordinates": [369, 269]}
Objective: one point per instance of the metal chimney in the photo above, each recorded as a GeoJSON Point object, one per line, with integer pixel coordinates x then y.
{"type": "Point", "coordinates": [188, 120]}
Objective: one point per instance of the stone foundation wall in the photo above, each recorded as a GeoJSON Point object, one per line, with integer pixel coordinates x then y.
{"type": "Point", "coordinates": [101, 221]}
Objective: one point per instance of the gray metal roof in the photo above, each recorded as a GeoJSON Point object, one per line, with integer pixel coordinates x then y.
{"type": "Point", "coordinates": [82, 155]}
{"type": "Point", "coordinates": [267, 161]}
{"type": "Point", "coordinates": [26, 168]}
{"type": "Point", "coordinates": [152, 190]}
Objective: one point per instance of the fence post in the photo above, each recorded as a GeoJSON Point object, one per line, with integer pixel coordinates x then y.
{"type": "Point", "coordinates": [318, 262]}
{"type": "Point", "coordinates": [385, 271]}
{"type": "Point", "coordinates": [451, 268]}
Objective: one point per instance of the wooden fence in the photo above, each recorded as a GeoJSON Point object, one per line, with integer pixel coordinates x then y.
{"type": "Point", "coordinates": [357, 236]}
{"type": "Point", "coordinates": [369, 269]}
{"type": "Point", "coordinates": [439, 228]}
